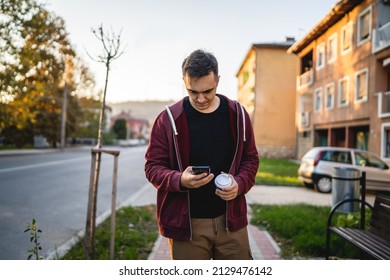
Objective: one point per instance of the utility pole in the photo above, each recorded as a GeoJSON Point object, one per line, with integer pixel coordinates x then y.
{"type": "Point", "coordinates": [63, 119]}
{"type": "Point", "coordinates": [67, 77]}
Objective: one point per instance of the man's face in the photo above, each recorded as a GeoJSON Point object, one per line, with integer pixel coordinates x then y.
{"type": "Point", "coordinates": [202, 92]}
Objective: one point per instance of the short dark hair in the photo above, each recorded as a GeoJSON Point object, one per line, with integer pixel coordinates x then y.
{"type": "Point", "coordinates": [199, 63]}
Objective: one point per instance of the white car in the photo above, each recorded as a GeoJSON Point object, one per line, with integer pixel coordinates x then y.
{"type": "Point", "coordinates": [317, 167]}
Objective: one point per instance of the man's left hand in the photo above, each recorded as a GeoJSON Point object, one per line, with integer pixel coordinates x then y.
{"type": "Point", "coordinates": [228, 193]}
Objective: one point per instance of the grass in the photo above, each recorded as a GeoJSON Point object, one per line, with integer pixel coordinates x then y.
{"type": "Point", "coordinates": [13, 147]}
{"type": "Point", "coordinates": [135, 234]}
{"type": "Point", "coordinates": [300, 230]}
{"type": "Point", "coordinates": [277, 172]}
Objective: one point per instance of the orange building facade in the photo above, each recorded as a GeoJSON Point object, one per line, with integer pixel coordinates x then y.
{"type": "Point", "coordinates": [343, 82]}
{"type": "Point", "coordinates": [266, 88]}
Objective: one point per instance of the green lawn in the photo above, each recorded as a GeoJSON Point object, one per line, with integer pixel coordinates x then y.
{"type": "Point", "coordinates": [300, 230]}
{"type": "Point", "coordinates": [277, 172]}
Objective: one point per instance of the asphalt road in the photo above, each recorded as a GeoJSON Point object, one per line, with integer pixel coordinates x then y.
{"type": "Point", "coordinates": [53, 189]}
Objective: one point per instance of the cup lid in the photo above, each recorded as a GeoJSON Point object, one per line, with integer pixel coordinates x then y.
{"type": "Point", "coordinates": [223, 180]}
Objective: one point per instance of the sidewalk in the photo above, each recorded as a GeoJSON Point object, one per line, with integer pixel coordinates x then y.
{"type": "Point", "coordinates": [262, 244]}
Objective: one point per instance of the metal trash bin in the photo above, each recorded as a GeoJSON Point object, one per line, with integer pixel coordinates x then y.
{"type": "Point", "coordinates": [346, 185]}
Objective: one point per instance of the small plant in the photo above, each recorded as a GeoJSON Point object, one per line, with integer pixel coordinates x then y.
{"type": "Point", "coordinates": [352, 220]}
{"type": "Point", "coordinates": [34, 232]}
{"type": "Point", "coordinates": [348, 220]}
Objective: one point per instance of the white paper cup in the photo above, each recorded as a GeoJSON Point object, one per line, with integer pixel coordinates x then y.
{"type": "Point", "coordinates": [223, 180]}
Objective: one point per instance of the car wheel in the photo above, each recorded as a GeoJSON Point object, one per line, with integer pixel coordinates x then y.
{"type": "Point", "coordinates": [324, 184]}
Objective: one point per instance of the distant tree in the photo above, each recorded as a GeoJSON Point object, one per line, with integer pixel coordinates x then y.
{"type": "Point", "coordinates": [87, 123]}
{"type": "Point", "coordinates": [14, 15]}
{"type": "Point", "coordinates": [120, 129]}
{"type": "Point", "coordinates": [35, 51]}
{"type": "Point", "coordinates": [83, 103]}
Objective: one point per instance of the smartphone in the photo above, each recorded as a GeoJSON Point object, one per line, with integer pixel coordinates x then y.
{"type": "Point", "coordinates": [199, 169]}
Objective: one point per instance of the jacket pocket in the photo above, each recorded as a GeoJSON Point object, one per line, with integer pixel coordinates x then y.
{"type": "Point", "coordinates": [173, 210]}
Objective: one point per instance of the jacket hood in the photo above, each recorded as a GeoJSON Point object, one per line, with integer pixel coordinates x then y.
{"type": "Point", "coordinates": [176, 109]}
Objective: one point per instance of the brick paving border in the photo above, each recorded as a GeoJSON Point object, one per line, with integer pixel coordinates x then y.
{"type": "Point", "coordinates": [262, 245]}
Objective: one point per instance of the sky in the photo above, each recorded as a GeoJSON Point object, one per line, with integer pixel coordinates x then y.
{"type": "Point", "coordinates": [157, 36]}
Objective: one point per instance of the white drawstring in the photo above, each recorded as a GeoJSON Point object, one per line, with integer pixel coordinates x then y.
{"type": "Point", "coordinates": [243, 121]}
{"type": "Point", "coordinates": [171, 119]}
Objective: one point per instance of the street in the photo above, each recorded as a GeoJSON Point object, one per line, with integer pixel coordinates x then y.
{"type": "Point", "coordinates": [52, 188]}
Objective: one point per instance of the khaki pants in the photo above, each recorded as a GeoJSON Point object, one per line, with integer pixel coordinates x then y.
{"type": "Point", "coordinates": [210, 240]}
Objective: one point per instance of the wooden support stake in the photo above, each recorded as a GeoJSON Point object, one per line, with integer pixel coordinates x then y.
{"type": "Point", "coordinates": [113, 207]}
{"type": "Point", "coordinates": [90, 229]}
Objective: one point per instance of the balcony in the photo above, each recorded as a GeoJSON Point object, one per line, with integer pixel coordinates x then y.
{"type": "Point", "coordinates": [305, 80]}
{"type": "Point", "coordinates": [381, 38]}
{"type": "Point", "coordinates": [383, 104]}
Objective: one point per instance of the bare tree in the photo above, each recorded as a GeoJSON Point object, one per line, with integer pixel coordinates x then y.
{"type": "Point", "coordinates": [111, 50]}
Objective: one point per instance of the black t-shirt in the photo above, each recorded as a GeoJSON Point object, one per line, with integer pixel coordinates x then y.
{"type": "Point", "coordinates": [211, 143]}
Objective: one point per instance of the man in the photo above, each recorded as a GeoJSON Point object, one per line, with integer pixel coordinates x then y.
{"type": "Point", "coordinates": [208, 129]}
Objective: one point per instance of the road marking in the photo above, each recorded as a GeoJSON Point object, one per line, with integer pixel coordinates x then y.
{"type": "Point", "coordinates": [44, 164]}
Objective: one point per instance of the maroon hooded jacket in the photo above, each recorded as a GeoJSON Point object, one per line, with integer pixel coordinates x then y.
{"type": "Point", "coordinates": [167, 157]}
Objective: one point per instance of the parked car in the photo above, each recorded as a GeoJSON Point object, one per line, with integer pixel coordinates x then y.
{"type": "Point", "coordinates": [317, 167]}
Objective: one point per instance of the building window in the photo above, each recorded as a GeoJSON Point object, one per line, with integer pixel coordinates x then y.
{"type": "Point", "coordinates": [346, 38]}
{"type": "Point", "coordinates": [387, 143]}
{"type": "Point", "coordinates": [320, 56]}
{"type": "Point", "coordinates": [245, 77]}
{"type": "Point", "coordinates": [332, 48]}
{"type": "Point", "coordinates": [361, 85]}
{"type": "Point", "coordinates": [364, 26]}
{"type": "Point", "coordinates": [305, 134]}
{"type": "Point", "coordinates": [343, 97]}
{"type": "Point", "coordinates": [385, 152]}
{"type": "Point", "coordinates": [329, 96]}
{"type": "Point", "coordinates": [318, 100]}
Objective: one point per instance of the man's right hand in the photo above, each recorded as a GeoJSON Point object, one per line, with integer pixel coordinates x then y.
{"type": "Point", "coordinates": [192, 181]}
